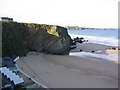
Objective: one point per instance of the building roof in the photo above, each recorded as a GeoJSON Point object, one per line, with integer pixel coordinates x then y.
{"type": "Point", "coordinates": [12, 76]}
{"type": "Point", "coordinates": [6, 18]}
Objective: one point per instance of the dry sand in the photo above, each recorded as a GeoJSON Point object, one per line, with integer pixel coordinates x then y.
{"type": "Point", "coordinates": [55, 71]}
{"type": "Point", "coordinates": [109, 52]}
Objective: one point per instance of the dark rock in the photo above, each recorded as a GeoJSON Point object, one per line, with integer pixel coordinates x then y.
{"type": "Point", "coordinates": [92, 51]}
{"type": "Point", "coordinates": [80, 50]}
{"type": "Point", "coordinates": [79, 40]}
{"type": "Point", "coordinates": [20, 38]}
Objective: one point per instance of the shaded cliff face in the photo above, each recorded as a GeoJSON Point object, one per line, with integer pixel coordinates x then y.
{"type": "Point", "coordinates": [20, 38]}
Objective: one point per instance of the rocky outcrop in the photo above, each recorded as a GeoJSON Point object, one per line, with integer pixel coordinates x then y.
{"type": "Point", "coordinates": [20, 38]}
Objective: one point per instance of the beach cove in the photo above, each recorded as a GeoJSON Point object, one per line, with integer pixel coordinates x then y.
{"type": "Point", "coordinates": [76, 70]}
{"type": "Point", "coordinates": [79, 69]}
{"type": "Point", "coordinates": [49, 56]}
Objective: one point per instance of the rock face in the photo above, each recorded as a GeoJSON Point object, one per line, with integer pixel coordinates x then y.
{"type": "Point", "coordinates": [20, 38]}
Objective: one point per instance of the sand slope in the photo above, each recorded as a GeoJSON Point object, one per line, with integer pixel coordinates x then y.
{"type": "Point", "coordinates": [69, 72]}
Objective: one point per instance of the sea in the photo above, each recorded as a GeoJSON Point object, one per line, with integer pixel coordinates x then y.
{"type": "Point", "coordinates": [106, 37]}
{"type": "Point", "coordinates": [99, 36]}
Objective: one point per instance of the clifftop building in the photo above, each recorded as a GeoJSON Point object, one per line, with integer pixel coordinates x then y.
{"type": "Point", "coordinates": [6, 19]}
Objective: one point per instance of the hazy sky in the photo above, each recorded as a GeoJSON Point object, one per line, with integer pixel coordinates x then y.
{"type": "Point", "coordinates": [85, 13]}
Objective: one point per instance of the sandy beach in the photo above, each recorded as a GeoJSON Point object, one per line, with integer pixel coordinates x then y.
{"type": "Point", "coordinates": [60, 71]}
{"type": "Point", "coordinates": [50, 44]}
{"type": "Point", "coordinates": [109, 52]}
{"type": "Point", "coordinates": [88, 47]}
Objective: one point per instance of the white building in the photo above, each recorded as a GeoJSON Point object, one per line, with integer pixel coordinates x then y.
{"type": "Point", "coordinates": [12, 76]}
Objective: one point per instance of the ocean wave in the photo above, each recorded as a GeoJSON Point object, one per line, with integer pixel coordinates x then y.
{"type": "Point", "coordinates": [110, 57]}
{"type": "Point", "coordinates": [100, 40]}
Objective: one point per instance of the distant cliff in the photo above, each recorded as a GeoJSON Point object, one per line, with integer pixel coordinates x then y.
{"type": "Point", "coordinates": [20, 38]}
{"type": "Point", "coordinates": [85, 28]}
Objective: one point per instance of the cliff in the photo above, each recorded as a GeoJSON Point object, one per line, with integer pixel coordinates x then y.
{"type": "Point", "coordinates": [87, 28]}
{"type": "Point", "coordinates": [20, 38]}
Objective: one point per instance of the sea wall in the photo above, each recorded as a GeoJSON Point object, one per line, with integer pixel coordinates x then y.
{"type": "Point", "coordinates": [20, 38]}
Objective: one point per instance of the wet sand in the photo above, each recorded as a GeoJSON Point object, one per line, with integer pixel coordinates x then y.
{"type": "Point", "coordinates": [60, 71]}
{"type": "Point", "coordinates": [89, 47]}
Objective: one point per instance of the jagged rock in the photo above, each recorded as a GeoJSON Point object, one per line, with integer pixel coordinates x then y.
{"type": "Point", "coordinates": [20, 38]}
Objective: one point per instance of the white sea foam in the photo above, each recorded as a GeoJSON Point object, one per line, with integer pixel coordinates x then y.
{"type": "Point", "coordinates": [100, 40]}
{"type": "Point", "coordinates": [111, 57]}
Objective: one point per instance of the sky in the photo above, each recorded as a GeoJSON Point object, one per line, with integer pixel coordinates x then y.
{"type": "Point", "coordinates": [83, 13]}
